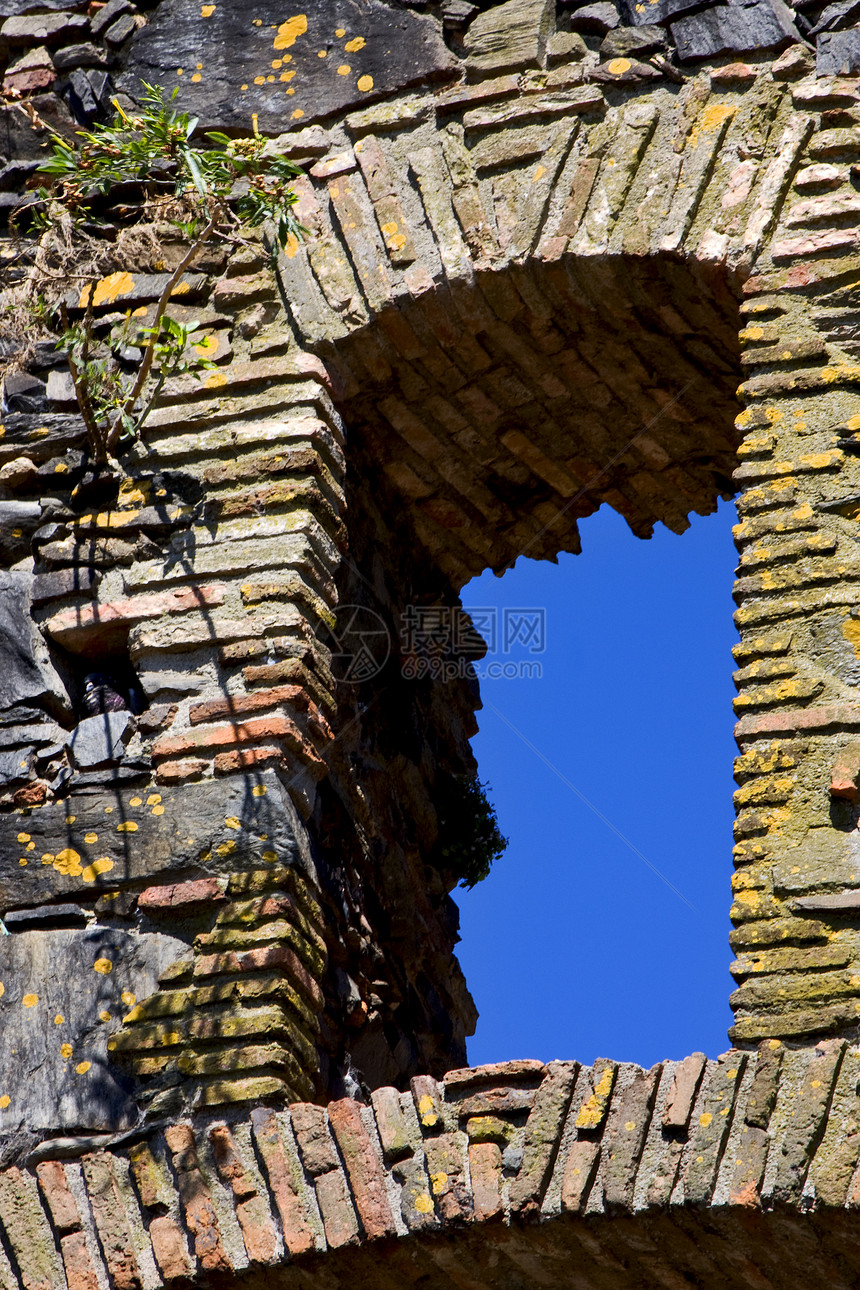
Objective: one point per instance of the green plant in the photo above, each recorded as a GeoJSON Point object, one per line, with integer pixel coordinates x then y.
{"type": "Point", "coordinates": [82, 233]}
{"type": "Point", "coordinates": [469, 840]}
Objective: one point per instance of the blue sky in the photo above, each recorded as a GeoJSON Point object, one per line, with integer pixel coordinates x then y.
{"type": "Point", "coordinates": [574, 946]}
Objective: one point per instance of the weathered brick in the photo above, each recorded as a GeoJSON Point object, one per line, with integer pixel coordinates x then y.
{"type": "Point", "coordinates": [111, 1221]}
{"type": "Point", "coordinates": [61, 1202]}
{"type": "Point", "coordinates": [391, 1124]}
{"type": "Point", "coordinates": [543, 1131]}
{"type": "Point", "coordinates": [682, 1093]}
{"type": "Point", "coordinates": [310, 1125]}
{"type": "Point", "coordinates": [625, 1138]}
{"type": "Point", "coordinates": [579, 1170]}
{"type": "Point", "coordinates": [197, 1204]}
{"type": "Point", "coordinates": [446, 1168]}
{"type": "Point", "coordinates": [80, 1272]}
{"type": "Point", "coordinates": [168, 1246]}
{"type": "Point", "coordinates": [485, 1170]}
{"type": "Point", "coordinates": [363, 1169]}
{"type": "Point", "coordinates": [284, 1175]}
{"type": "Point", "coordinates": [181, 895]}
{"type": "Point", "coordinates": [339, 1218]}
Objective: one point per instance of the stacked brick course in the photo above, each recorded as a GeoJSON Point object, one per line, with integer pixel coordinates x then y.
{"type": "Point", "coordinates": [515, 1174]}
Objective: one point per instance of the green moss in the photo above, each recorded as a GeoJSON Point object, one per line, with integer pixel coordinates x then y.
{"type": "Point", "coordinates": [469, 840]}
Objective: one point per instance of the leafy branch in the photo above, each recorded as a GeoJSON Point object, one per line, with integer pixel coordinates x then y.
{"type": "Point", "coordinates": [204, 194]}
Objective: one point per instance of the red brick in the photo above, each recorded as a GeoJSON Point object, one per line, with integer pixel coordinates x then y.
{"type": "Point", "coordinates": [258, 959]}
{"type": "Point", "coordinates": [200, 1215]}
{"type": "Point", "coordinates": [498, 1073]}
{"type": "Point", "coordinates": [181, 895]}
{"type": "Point", "coordinates": [172, 772]}
{"type": "Point", "coordinates": [241, 704]}
{"type": "Point", "coordinates": [239, 732]}
{"type": "Point", "coordinates": [834, 714]}
{"type": "Point", "coordinates": [258, 1231]}
{"type": "Point", "coordinates": [61, 1202]}
{"type": "Point", "coordinates": [111, 1222]}
{"type": "Point", "coordinates": [80, 1273]}
{"type": "Point", "coordinates": [485, 1167]}
{"type": "Point", "coordinates": [298, 1236]}
{"type": "Point", "coordinates": [168, 1246]}
{"type": "Point", "coordinates": [310, 1125]}
{"type": "Point", "coordinates": [32, 794]}
{"type": "Point", "coordinates": [70, 624]}
{"type": "Point", "coordinates": [227, 763]}
{"type": "Point", "coordinates": [338, 1216]}
{"type": "Point", "coordinates": [363, 1168]}
{"type": "Point", "coordinates": [579, 1170]}
{"type": "Point", "coordinates": [679, 1103]}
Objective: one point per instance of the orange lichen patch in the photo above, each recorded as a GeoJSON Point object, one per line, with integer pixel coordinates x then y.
{"type": "Point", "coordinates": [66, 862]}
{"type": "Point", "coordinates": [103, 966]}
{"type": "Point", "coordinates": [91, 837]}
{"type": "Point", "coordinates": [154, 799]}
{"type": "Point", "coordinates": [292, 246]}
{"type": "Point", "coordinates": [128, 826]}
{"type": "Point", "coordinates": [30, 1000]}
{"type": "Point", "coordinates": [365, 83]}
{"type": "Point", "coordinates": [298, 113]}
{"type": "Point", "coordinates": [207, 10]}
{"type": "Point", "coordinates": [59, 1019]}
{"type": "Point", "coordinates": [66, 1051]}
{"type": "Point", "coordinates": [323, 53]}
{"type": "Point", "coordinates": [128, 998]}
{"type": "Point", "coordinates": [618, 66]}
{"type": "Point", "coordinates": [286, 76]}
{"type": "Point", "coordinates": [104, 1015]}
{"type": "Point", "coordinates": [354, 45]}
{"type": "Point", "coordinates": [83, 1067]}
{"type": "Point", "coordinates": [197, 77]}
{"type": "Point", "coordinates": [4, 1101]}
{"type": "Point", "coordinates": [92, 871]}
{"type": "Point", "coordinates": [289, 31]}
{"type": "Point", "coordinates": [344, 69]}
{"type": "Point", "coordinates": [341, 31]}
{"type": "Point", "coordinates": [106, 292]}
{"type": "Point", "coordinates": [2, 989]}
{"type": "Point", "coordinates": [259, 80]}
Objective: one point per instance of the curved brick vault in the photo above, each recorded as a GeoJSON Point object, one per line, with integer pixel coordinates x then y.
{"type": "Point", "coordinates": [541, 275]}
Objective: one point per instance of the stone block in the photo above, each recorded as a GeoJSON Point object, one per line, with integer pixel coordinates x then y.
{"type": "Point", "coordinates": [100, 739]}
{"type": "Point", "coordinates": [386, 50]}
{"type": "Point", "coordinates": [838, 53]}
{"type": "Point", "coordinates": [513, 34]}
{"type": "Point", "coordinates": [735, 29]}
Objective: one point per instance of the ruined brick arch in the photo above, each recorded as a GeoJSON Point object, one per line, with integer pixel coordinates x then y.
{"type": "Point", "coordinates": [510, 274]}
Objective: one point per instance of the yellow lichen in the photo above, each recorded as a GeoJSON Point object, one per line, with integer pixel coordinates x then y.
{"type": "Point", "coordinates": [289, 31]}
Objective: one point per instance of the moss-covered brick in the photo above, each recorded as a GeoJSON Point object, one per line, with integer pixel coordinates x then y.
{"type": "Point", "coordinates": [251, 1088]}
{"type": "Point", "coordinates": [711, 1127]}
{"type": "Point", "coordinates": [166, 1003]}
{"type": "Point", "coordinates": [625, 1138]}
{"type": "Point", "coordinates": [28, 1232]}
{"type": "Point", "coordinates": [271, 987]}
{"type": "Point", "coordinates": [154, 1184]}
{"type": "Point", "coordinates": [592, 1112]}
{"type": "Point", "coordinates": [243, 1058]}
{"type": "Point", "coordinates": [761, 1098]}
{"type": "Point", "coordinates": [392, 1125]}
{"type": "Point", "coordinates": [239, 1022]}
{"type": "Point", "coordinates": [808, 1112]}
{"type": "Point", "coordinates": [836, 1156]}
{"type": "Point", "coordinates": [490, 1128]}
{"type": "Point", "coordinates": [280, 931]}
{"type": "Point", "coordinates": [427, 1095]}
{"type": "Point", "coordinates": [543, 1129]}
{"type": "Point", "coordinates": [253, 882]}
{"type": "Point", "coordinates": [445, 1157]}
